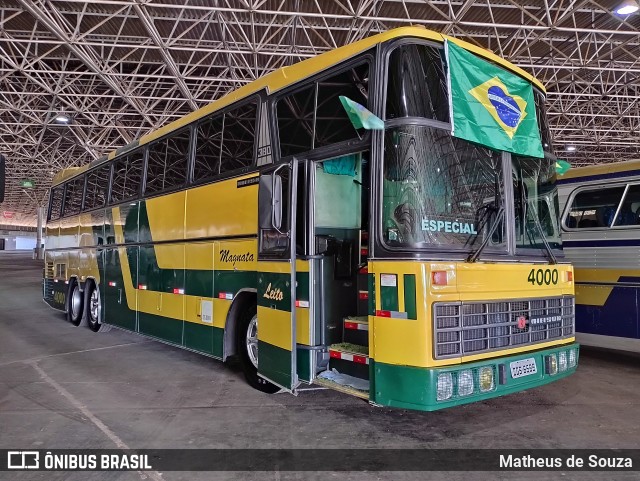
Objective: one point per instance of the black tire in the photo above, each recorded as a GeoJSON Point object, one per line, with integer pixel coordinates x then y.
{"type": "Point", "coordinates": [250, 371]}
{"type": "Point", "coordinates": [75, 303]}
{"type": "Point", "coordinates": [92, 313]}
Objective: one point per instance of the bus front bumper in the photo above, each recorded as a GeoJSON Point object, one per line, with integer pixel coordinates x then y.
{"type": "Point", "coordinates": [430, 389]}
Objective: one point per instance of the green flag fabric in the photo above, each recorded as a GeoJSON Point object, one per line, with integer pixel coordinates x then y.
{"type": "Point", "coordinates": [360, 117]}
{"type": "Point", "coordinates": [491, 106]}
{"type": "Point", "coordinates": [562, 166]}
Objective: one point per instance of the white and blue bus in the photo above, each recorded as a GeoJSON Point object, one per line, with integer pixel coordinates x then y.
{"type": "Point", "coordinates": [601, 237]}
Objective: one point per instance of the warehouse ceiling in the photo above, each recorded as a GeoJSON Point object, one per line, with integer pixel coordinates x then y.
{"type": "Point", "coordinates": [118, 69]}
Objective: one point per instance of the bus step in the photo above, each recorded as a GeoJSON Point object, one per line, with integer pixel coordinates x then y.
{"type": "Point", "coordinates": [362, 284]}
{"type": "Point", "coordinates": [350, 359]}
{"type": "Point", "coordinates": [343, 386]}
{"type": "Point", "coordinates": [356, 330]}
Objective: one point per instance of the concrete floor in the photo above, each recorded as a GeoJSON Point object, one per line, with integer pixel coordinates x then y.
{"type": "Point", "coordinates": [66, 387]}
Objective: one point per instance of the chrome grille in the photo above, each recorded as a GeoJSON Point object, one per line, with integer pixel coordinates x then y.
{"type": "Point", "coordinates": [463, 328]}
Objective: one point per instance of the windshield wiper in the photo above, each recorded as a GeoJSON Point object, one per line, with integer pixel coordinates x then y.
{"type": "Point", "coordinates": [473, 256]}
{"type": "Point", "coordinates": [552, 257]}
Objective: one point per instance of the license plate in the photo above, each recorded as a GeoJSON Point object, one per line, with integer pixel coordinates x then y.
{"type": "Point", "coordinates": [523, 367]}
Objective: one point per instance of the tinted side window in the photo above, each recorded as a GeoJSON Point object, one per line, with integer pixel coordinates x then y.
{"type": "Point", "coordinates": [295, 121]}
{"type": "Point", "coordinates": [417, 85]}
{"type": "Point", "coordinates": [97, 186]}
{"type": "Point", "coordinates": [73, 197]}
{"type": "Point", "coordinates": [238, 137]}
{"type": "Point", "coordinates": [55, 202]}
{"type": "Point", "coordinates": [208, 149]}
{"type": "Point", "coordinates": [127, 176]}
{"type": "Point", "coordinates": [332, 123]}
{"type": "Point", "coordinates": [629, 213]}
{"type": "Point", "coordinates": [594, 208]}
{"type": "Point", "coordinates": [167, 162]}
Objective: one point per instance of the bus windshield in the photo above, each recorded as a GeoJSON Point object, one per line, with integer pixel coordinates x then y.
{"type": "Point", "coordinates": [439, 190]}
{"type": "Point", "coordinates": [443, 192]}
{"type": "Point", "coordinates": [536, 201]}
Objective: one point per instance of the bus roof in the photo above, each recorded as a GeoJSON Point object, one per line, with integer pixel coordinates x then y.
{"type": "Point", "coordinates": [602, 171]}
{"type": "Point", "coordinates": [283, 77]}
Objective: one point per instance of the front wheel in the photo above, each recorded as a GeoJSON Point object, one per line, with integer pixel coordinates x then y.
{"type": "Point", "coordinates": [94, 308]}
{"type": "Point", "coordinates": [247, 348]}
{"type": "Point", "coordinates": [75, 309]}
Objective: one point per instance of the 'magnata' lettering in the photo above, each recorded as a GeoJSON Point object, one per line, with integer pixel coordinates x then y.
{"type": "Point", "coordinates": [448, 226]}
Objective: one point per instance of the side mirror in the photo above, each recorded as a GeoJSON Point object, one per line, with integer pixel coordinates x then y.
{"type": "Point", "coordinates": [2, 178]}
{"type": "Point", "coordinates": [276, 202]}
{"type": "Point", "coordinates": [270, 202]}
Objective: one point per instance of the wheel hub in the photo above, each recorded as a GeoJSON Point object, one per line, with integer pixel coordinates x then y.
{"type": "Point", "coordinates": [76, 301]}
{"type": "Point", "coordinates": [94, 305]}
{"type": "Point", "coordinates": [252, 341]}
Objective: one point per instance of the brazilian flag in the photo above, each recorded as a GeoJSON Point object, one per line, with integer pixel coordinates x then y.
{"type": "Point", "coordinates": [491, 106]}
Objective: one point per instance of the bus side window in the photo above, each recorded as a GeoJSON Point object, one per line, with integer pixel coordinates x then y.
{"type": "Point", "coordinates": [55, 205]}
{"type": "Point", "coordinates": [97, 186]}
{"type": "Point", "coordinates": [295, 121]}
{"type": "Point", "coordinates": [208, 149]}
{"type": "Point", "coordinates": [595, 207]}
{"type": "Point", "coordinates": [167, 162]}
{"type": "Point", "coordinates": [332, 123]}
{"type": "Point", "coordinates": [238, 138]}
{"type": "Point", "coordinates": [627, 215]}
{"type": "Point", "coordinates": [73, 197]}
{"type": "Point", "coordinates": [127, 176]}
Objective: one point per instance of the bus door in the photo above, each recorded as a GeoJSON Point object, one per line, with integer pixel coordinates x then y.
{"type": "Point", "coordinates": [277, 200]}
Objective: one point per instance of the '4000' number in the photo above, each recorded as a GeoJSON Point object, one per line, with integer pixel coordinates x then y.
{"type": "Point", "coordinates": [543, 277]}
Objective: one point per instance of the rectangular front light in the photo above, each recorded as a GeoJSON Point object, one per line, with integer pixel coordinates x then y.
{"type": "Point", "coordinates": [562, 361]}
{"type": "Point", "coordinates": [445, 386]}
{"type": "Point", "coordinates": [465, 382]}
{"type": "Point", "coordinates": [551, 364]}
{"type": "Point", "coordinates": [485, 375]}
{"type": "Point", "coordinates": [573, 356]}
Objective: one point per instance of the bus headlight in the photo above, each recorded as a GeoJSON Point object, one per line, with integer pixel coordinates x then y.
{"type": "Point", "coordinates": [485, 374]}
{"type": "Point", "coordinates": [465, 382]}
{"type": "Point", "coordinates": [562, 360]}
{"type": "Point", "coordinates": [445, 386]}
{"type": "Point", "coordinates": [551, 364]}
{"type": "Point", "coordinates": [573, 356]}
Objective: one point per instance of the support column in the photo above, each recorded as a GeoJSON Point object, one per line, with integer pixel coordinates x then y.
{"type": "Point", "coordinates": [39, 254]}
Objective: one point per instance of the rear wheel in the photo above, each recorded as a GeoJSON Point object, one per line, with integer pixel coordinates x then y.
{"type": "Point", "coordinates": [94, 309]}
{"type": "Point", "coordinates": [75, 309]}
{"type": "Point", "coordinates": [247, 348]}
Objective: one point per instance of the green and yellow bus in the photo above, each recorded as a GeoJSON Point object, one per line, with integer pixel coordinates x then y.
{"type": "Point", "coordinates": [395, 265]}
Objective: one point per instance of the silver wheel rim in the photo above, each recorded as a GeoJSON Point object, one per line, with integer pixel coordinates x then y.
{"type": "Point", "coordinates": [94, 306]}
{"type": "Point", "coordinates": [76, 301]}
{"type": "Point", "coordinates": [252, 341]}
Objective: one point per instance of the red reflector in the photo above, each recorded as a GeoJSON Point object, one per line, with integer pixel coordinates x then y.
{"type": "Point", "coordinates": [334, 354]}
{"type": "Point", "coordinates": [569, 276]}
{"type": "Point", "coordinates": [363, 295]}
{"type": "Point", "coordinates": [178, 291]}
{"type": "Point", "coordinates": [439, 278]}
{"type": "Point", "coordinates": [383, 313]}
{"type": "Point", "coordinates": [222, 295]}
{"type": "Point", "coordinates": [364, 251]}
{"type": "Point", "coordinates": [350, 325]}
{"type": "Point", "coordinates": [364, 270]}
{"type": "Point", "coordinates": [359, 359]}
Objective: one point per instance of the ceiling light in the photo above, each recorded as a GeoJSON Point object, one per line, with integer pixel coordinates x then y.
{"type": "Point", "coordinates": [570, 148]}
{"type": "Point", "coordinates": [62, 119]}
{"type": "Point", "coordinates": [627, 7]}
